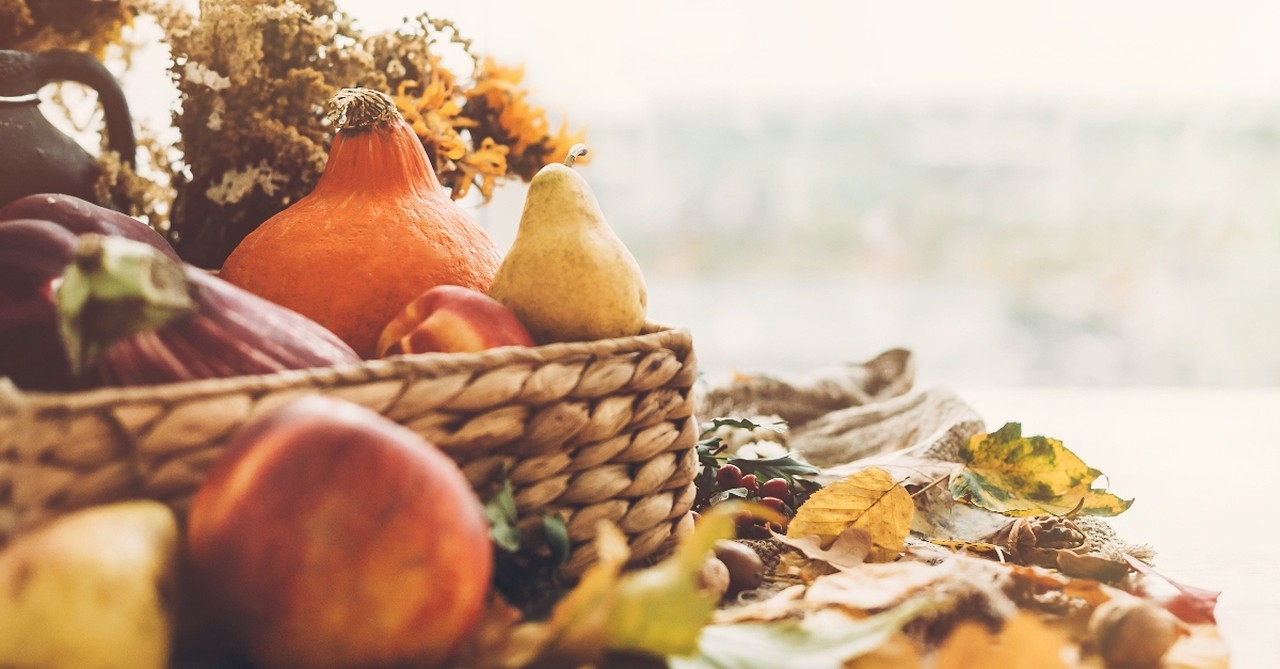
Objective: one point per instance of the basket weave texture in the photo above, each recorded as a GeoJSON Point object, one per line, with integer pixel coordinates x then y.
{"type": "Point", "coordinates": [592, 431]}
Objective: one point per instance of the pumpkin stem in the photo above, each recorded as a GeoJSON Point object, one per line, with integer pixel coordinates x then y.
{"type": "Point", "coordinates": [361, 108]}
{"type": "Point", "coordinates": [575, 152]}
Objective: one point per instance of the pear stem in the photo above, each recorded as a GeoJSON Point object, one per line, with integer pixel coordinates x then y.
{"type": "Point", "coordinates": [575, 152]}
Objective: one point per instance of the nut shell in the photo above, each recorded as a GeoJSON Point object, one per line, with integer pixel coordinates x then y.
{"type": "Point", "coordinates": [746, 569]}
{"type": "Point", "coordinates": [1132, 633]}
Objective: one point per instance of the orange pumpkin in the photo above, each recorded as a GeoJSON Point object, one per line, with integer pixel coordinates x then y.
{"type": "Point", "coordinates": [377, 231]}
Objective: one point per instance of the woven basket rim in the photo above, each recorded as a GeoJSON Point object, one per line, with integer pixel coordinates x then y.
{"type": "Point", "coordinates": [653, 336]}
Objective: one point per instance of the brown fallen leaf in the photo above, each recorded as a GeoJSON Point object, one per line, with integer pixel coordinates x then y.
{"type": "Point", "coordinates": [1029, 583]}
{"type": "Point", "coordinates": [781, 605]}
{"type": "Point", "coordinates": [971, 587]}
{"type": "Point", "coordinates": [870, 500]}
{"type": "Point", "coordinates": [850, 549]}
{"type": "Point", "coordinates": [1088, 565]}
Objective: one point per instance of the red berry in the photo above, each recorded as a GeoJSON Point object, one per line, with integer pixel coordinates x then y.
{"type": "Point", "coordinates": [774, 503]}
{"type": "Point", "coordinates": [728, 476]}
{"type": "Point", "coordinates": [750, 483]}
{"type": "Point", "coordinates": [776, 487]}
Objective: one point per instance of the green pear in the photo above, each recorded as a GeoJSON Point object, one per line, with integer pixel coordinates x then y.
{"type": "Point", "coordinates": [567, 275]}
{"type": "Point", "coordinates": [91, 590]}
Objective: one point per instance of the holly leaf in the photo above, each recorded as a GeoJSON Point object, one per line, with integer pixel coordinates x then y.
{"type": "Point", "coordinates": [869, 500]}
{"type": "Point", "coordinates": [784, 466]}
{"type": "Point", "coordinates": [1026, 476]}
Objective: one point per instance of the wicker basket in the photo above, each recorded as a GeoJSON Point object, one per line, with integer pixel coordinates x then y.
{"type": "Point", "coordinates": [589, 430]}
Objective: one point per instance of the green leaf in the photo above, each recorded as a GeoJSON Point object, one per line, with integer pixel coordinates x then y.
{"type": "Point", "coordinates": [726, 495]}
{"type": "Point", "coordinates": [793, 644]}
{"type": "Point", "coordinates": [709, 451]}
{"type": "Point", "coordinates": [501, 512]}
{"type": "Point", "coordinates": [556, 534]}
{"type": "Point", "coordinates": [785, 466]}
{"type": "Point", "coordinates": [1026, 476]}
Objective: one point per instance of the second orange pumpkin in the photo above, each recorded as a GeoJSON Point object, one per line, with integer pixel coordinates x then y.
{"type": "Point", "coordinates": [377, 231]}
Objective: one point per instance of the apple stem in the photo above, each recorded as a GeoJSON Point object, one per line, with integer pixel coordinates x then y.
{"type": "Point", "coordinates": [575, 152]}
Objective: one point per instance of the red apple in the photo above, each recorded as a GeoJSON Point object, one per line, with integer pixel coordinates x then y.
{"type": "Point", "coordinates": [328, 536]}
{"type": "Point", "coordinates": [452, 319]}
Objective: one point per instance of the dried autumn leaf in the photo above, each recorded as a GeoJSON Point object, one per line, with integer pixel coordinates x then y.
{"type": "Point", "coordinates": [1189, 603]}
{"type": "Point", "coordinates": [818, 642]}
{"type": "Point", "coordinates": [956, 582]}
{"type": "Point", "coordinates": [614, 611]}
{"type": "Point", "coordinates": [869, 500]}
{"type": "Point", "coordinates": [1088, 565]}
{"type": "Point", "coordinates": [576, 631]}
{"type": "Point", "coordinates": [849, 550]}
{"type": "Point", "coordinates": [781, 605]}
{"type": "Point", "coordinates": [1007, 473]}
{"type": "Point", "coordinates": [673, 588]}
{"type": "Point", "coordinates": [1032, 581]}
{"type": "Point", "coordinates": [937, 512]}
{"type": "Point", "coordinates": [1023, 643]}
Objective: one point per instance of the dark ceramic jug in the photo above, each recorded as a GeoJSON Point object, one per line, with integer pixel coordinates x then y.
{"type": "Point", "coordinates": [36, 157]}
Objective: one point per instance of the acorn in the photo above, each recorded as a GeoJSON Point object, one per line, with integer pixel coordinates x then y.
{"type": "Point", "coordinates": [1131, 632]}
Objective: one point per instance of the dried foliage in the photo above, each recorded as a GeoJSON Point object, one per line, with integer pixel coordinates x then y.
{"type": "Point", "coordinates": [253, 79]}
{"type": "Point", "coordinates": [83, 25]}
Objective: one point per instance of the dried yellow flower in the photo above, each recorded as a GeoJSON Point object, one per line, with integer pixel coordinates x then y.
{"type": "Point", "coordinates": [253, 78]}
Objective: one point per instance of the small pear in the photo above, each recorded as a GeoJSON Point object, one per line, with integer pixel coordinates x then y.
{"type": "Point", "coordinates": [91, 590]}
{"type": "Point", "coordinates": [567, 275]}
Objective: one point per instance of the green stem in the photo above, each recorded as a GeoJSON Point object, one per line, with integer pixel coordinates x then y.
{"type": "Point", "coordinates": [113, 288]}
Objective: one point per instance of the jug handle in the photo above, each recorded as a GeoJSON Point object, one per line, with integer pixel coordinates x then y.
{"type": "Point", "coordinates": [67, 65]}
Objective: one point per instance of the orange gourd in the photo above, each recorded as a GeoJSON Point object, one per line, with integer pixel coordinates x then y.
{"type": "Point", "coordinates": [377, 231]}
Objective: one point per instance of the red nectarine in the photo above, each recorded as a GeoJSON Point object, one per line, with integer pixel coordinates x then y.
{"type": "Point", "coordinates": [452, 319]}
{"type": "Point", "coordinates": [328, 536]}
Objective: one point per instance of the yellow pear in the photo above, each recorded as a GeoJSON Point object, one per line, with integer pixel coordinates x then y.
{"type": "Point", "coordinates": [567, 275]}
{"type": "Point", "coordinates": [91, 590]}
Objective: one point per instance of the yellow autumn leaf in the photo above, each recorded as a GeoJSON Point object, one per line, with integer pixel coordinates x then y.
{"type": "Point", "coordinates": [1027, 476]}
{"type": "Point", "coordinates": [1023, 643]}
{"type": "Point", "coordinates": [611, 609]}
{"type": "Point", "coordinates": [869, 500]}
{"type": "Point", "coordinates": [578, 627]}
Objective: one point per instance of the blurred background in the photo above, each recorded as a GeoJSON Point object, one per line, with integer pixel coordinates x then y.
{"type": "Point", "coordinates": [1024, 194]}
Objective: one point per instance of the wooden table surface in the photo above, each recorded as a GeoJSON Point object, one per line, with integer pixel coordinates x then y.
{"type": "Point", "coordinates": [1202, 465]}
